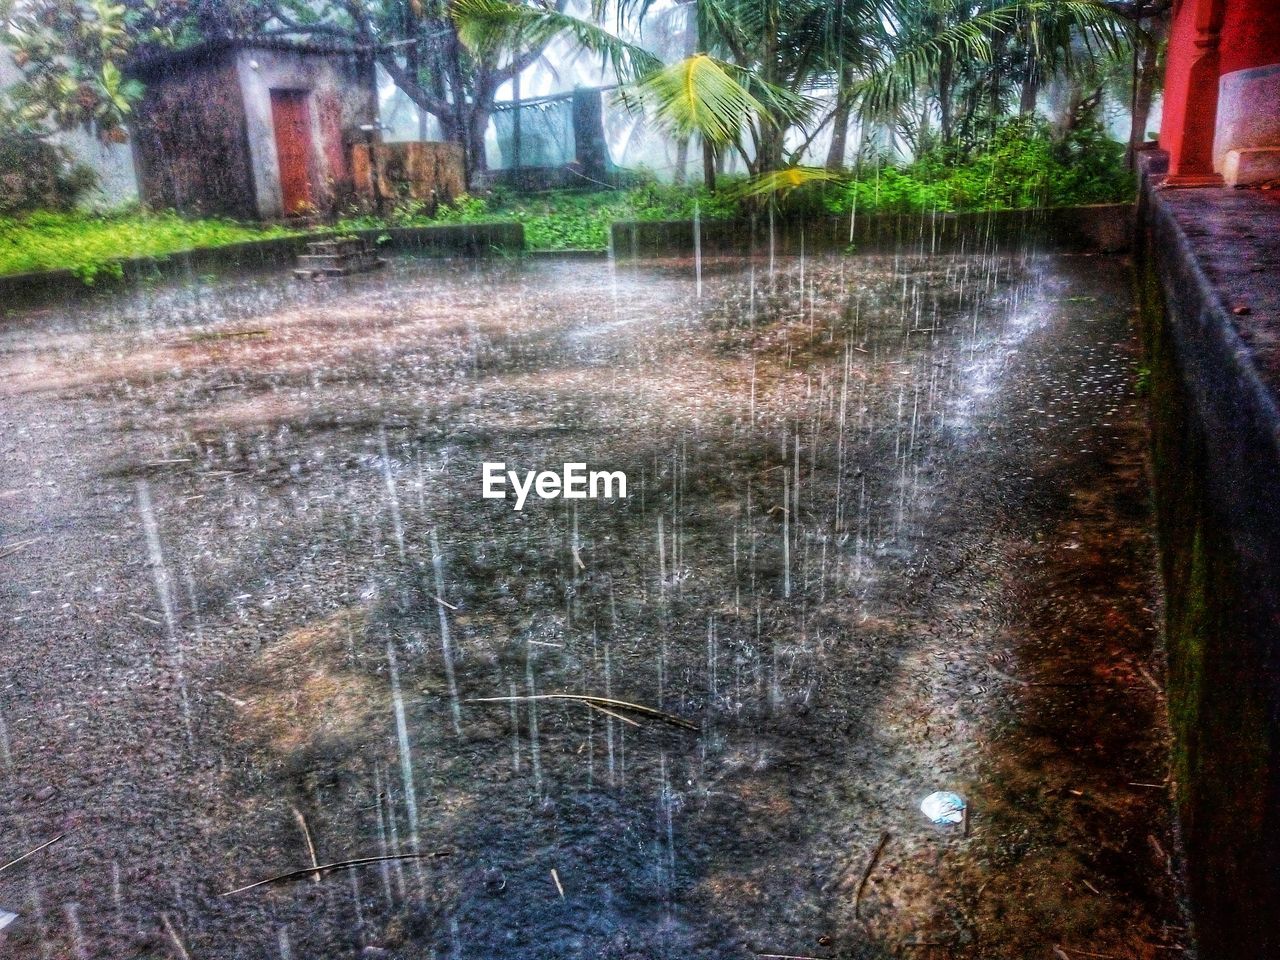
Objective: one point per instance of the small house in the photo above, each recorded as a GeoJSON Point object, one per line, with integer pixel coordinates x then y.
{"type": "Point", "coordinates": [252, 129]}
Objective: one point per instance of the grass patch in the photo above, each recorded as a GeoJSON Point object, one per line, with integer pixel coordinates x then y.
{"type": "Point", "coordinates": [94, 246]}
{"type": "Point", "coordinates": [562, 219]}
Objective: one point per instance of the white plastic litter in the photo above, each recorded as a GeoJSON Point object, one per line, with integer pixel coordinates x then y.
{"type": "Point", "coordinates": [6, 918]}
{"type": "Point", "coordinates": [943, 807]}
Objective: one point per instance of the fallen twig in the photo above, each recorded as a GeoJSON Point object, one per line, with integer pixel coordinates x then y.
{"type": "Point", "coordinates": [556, 877]}
{"type": "Point", "coordinates": [866, 875]}
{"type": "Point", "coordinates": [306, 835]}
{"type": "Point", "coordinates": [334, 868]}
{"type": "Point", "coordinates": [47, 843]}
{"type": "Point", "coordinates": [610, 713]}
{"type": "Point", "coordinates": [1084, 953]}
{"type": "Point", "coordinates": [1146, 675]}
{"type": "Point", "coordinates": [173, 935]}
{"type": "Point", "coordinates": [597, 701]}
{"type": "Point", "coordinates": [223, 335]}
{"type": "Point", "coordinates": [13, 548]}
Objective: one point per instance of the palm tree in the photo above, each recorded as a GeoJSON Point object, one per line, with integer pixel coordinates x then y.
{"type": "Point", "coordinates": [754, 81]}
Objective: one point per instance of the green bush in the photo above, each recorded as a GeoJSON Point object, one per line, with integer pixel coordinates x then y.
{"type": "Point", "coordinates": [563, 219]}
{"type": "Point", "coordinates": [35, 174]}
{"type": "Point", "coordinates": [1022, 165]}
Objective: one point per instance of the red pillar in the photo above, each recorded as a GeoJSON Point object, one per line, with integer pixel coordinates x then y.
{"type": "Point", "coordinates": [1191, 93]}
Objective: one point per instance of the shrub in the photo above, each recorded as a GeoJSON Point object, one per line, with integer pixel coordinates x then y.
{"type": "Point", "coordinates": [36, 174]}
{"type": "Point", "coordinates": [1022, 165]}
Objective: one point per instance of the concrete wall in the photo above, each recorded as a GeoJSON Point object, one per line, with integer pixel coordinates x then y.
{"type": "Point", "coordinates": [190, 141]}
{"type": "Point", "coordinates": [341, 97]}
{"type": "Point", "coordinates": [1248, 113]}
{"type": "Point", "coordinates": [1107, 228]}
{"type": "Point", "coordinates": [430, 173]}
{"type": "Point", "coordinates": [1208, 268]}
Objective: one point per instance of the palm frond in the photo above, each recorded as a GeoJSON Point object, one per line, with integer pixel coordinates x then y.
{"type": "Point", "coordinates": [779, 183]}
{"type": "Point", "coordinates": [487, 27]}
{"type": "Point", "coordinates": [892, 83]}
{"type": "Point", "coordinates": [713, 99]}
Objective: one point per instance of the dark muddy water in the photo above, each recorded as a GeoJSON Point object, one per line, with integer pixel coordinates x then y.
{"type": "Point", "coordinates": [886, 533]}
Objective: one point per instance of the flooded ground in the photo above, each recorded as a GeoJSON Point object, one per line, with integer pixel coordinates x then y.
{"type": "Point", "coordinates": [886, 533]}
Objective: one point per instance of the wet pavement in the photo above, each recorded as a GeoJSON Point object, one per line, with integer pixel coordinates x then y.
{"type": "Point", "coordinates": [886, 533]}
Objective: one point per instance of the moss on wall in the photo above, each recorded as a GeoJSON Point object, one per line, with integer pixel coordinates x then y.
{"type": "Point", "coordinates": [1218, 695]}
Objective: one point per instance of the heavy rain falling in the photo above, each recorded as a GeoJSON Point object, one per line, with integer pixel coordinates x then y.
{"type": "Point", "coordinates": [884, 534]}
{"type": "Point", "coordinates": [639, 479]}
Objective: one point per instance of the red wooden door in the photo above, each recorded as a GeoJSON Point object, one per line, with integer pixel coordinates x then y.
{"type": "Point", "coordinates": [292, 119]}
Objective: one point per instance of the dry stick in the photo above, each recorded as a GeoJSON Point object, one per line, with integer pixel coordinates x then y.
{"type": "Point", "coordinates": [224, 335]}
{"type": "Point", "coordinates": [173, 935]}
{"type": "Point", "coordinates": [13, 548]}
{"type": "Point", "coordinates": [334, 867]}
{"type": "Point", "coordinates": [599, 702]}
{"type": "Point", "coordinates": [1085, 953]}
{"type": "Point", "coordinates": [556, 877]}
{"type": "Point", "coordinates": [1146, 675]}
{"type": "Point", "coordinates": [866, 875]}
{"type": "Point", "coordinates": [306, 833]}
{"type": "Point", "coordinates": [47, 843]}
{"type": "Point", "coordinates": [786, 956]}
{"type": "Point", "coordinates": [610, 713]}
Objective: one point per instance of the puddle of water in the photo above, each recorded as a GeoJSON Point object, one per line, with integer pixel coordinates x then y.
{"type": "Point", "coordinates": [846, 477]}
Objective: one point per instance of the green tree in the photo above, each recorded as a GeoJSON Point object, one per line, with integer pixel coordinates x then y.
{"type": "Point", "coordinates": [72, 55]}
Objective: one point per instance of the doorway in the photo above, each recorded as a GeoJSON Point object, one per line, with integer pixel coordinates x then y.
{"type": "Point", "coordinates": [291, 116]}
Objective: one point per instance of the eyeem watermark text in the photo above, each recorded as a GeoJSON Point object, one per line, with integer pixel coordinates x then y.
{"type": "Point", "coordinates": [573, 482]}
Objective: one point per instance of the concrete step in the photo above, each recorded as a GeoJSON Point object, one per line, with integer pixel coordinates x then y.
{"type": "Point", "coordinates": [337, 258]}
{"type": "Point", "coordinates": [317, 260]}
{"type": "Point", "coordinates": [339, 247]}
{"type": "Point", "coordinates": [320, 271]}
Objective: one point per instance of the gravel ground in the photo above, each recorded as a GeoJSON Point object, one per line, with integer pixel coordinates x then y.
{"type": "Point", "coordinates": [886, 533]}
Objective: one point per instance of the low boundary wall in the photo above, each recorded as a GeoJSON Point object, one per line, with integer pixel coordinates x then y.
{"type": "Point", "coordinates": [1106, 228]}
{"type": "Point", "coordinates": [447, 240]}
{"type": "Point", "coordinates": [1208, 275]}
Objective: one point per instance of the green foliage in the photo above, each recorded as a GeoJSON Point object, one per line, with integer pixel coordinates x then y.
{"type": "Point", "coordinates": [36, 174]}
{"type": "Point", "coordinates": [94, 246]}
{"type": "Point", "coordinates": [563, 220]}
{"type": "Point", "coordinates": [70, 54]}
{"type": "Point", "coordinates": [491, 27]}
{"type": "Point", "coordinates": [1021, 166]}
{"type": "Point", "coordinates": [716, 100]}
